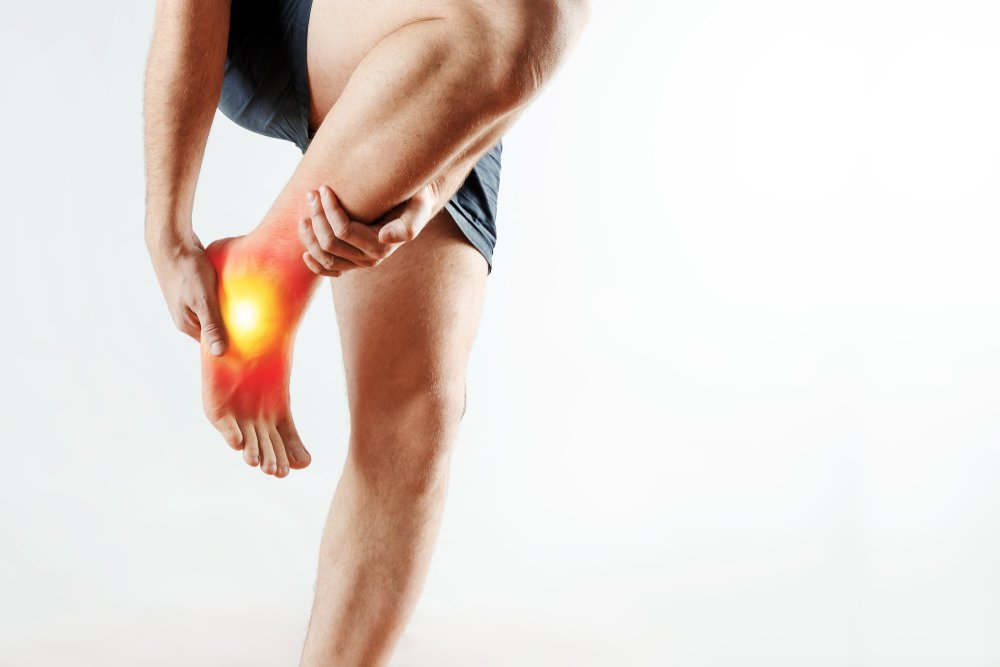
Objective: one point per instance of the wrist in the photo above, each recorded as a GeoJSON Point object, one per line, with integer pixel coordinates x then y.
{"type": "Point", "coordinates": [169, 235]}
{"type": "Point", "coordinates": [166, 250]}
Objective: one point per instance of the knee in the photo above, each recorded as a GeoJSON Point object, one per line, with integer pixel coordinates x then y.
{"type": "Point", "coordinates": [401, 437]}
{"type": "Point", "coordinates": [516, 45]}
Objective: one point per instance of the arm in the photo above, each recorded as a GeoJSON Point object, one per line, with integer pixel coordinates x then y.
{"type": "Point", "coordinates": [183, 82]}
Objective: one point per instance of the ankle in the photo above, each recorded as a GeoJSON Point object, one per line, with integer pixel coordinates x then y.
{"type": "Point", "coordinates": [268, 256]}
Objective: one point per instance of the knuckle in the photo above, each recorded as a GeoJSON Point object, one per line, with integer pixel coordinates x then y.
{"type": "Point", "coordinates": [424, 194]}
{"type": "Point", "coordinates": [305, 229]}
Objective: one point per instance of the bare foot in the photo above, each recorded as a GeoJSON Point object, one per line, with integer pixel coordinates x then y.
{"type": "Point", "coordinates": [245, 391]}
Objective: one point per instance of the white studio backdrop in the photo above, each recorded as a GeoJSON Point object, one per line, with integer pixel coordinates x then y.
{"type": "Point", "coordinates": [733, 401]}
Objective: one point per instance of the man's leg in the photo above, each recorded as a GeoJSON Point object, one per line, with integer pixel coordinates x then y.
{"type": "Point", "coordinates": [406, 328]}
{"type": "Point", "coordinates": [431, 92]}
{"type": "Point", "coordinates": [428, 84]}
{"type": "Point", "coordinates": [406, 90]}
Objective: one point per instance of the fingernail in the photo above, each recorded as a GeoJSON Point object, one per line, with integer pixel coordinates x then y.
{"type": "Point", "coordinates": [310, 196]}
{"type": "Point", "coordinates": [218, 348]}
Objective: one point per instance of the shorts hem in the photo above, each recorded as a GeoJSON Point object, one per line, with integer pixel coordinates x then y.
{"type": "Point", "coordinates": [472, 232]}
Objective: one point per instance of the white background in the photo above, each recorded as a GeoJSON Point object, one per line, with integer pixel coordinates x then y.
{"type": "Point", "coordinates": [733, 402]}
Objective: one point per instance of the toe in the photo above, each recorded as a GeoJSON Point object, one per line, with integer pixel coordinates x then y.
{"type": "Point", "coordinates": [298, 457]}
{"type": "Point", "coordinates": [268, 464]}
{"type": "Point", "coordinates": [230, 430]}
{"type": "Point", "coordinates": [280, 456]}
{"type": "Point", "coordinates": [251, 449]}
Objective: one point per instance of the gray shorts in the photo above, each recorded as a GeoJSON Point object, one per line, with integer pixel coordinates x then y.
{"type": "Point", "coordinates": [266, 90]}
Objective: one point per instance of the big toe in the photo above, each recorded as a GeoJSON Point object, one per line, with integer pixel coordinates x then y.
{"type": "Point", "coordinates": [230, 430]}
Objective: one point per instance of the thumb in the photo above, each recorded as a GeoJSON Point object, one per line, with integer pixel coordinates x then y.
{"type": "Point", "coordinates": [213, 332]}
{"type": "Point", "coordinates": [414, 217]}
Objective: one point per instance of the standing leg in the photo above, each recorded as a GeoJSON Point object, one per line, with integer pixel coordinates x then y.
{"type": "Point", "coordinates": [406, 329]}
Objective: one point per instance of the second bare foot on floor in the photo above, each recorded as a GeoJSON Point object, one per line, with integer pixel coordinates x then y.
{"type": "Point", "coordinates": [245, 391]}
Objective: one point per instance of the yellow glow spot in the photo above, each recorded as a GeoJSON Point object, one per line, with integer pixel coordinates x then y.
{"type": "Point", "coordinates": [251, 312]}
{"type": "Point", "coordinates": [246, 316]}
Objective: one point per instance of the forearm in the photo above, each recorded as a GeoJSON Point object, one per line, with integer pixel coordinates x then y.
{"type": "Point", "coordinates": [183, 81]}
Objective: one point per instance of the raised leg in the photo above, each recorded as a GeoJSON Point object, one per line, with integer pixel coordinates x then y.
{"type": "Point", "coordinates": [405, 90]}
{"type": "Point", "coordinates": [417, 91]}
{"type": "Point", "coordinates": [406, 330]}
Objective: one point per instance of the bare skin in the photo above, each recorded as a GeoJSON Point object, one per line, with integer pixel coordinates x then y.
{"type": "Point", "coordinates": [407, 97]}
{"type": "Point", "coordinates": [384, 517]}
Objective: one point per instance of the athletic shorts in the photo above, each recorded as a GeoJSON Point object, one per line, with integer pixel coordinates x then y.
{"type": "Point", "coordinates": [266, 90]}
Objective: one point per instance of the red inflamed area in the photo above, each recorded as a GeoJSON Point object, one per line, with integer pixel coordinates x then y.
{"type": "Point", "coordinates": [261, 301]}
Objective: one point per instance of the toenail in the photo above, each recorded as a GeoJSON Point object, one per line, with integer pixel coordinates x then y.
{"type": "Point", "coordinates": [283, 471]}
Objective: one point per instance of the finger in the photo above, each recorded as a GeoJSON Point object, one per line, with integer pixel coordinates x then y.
{"type": "Point", "coordinates": [189, 325]}
{"type": "Point", "coordinates": [413, 218]}
{"type": "Point", "coordinates": [298, 456]}
{"type": "Point", "coordinates": [357, 234]}
{"type": "Point", "coordinates": [251, 450]}
{"type": "Point", "coordinates": [280, 457]}
{"type": "Point", "coordinates": [317, 268]}
{"type": "Point", "coordinates": [327, 260]}
{"type": "Point", "coordinates": [268, 464]}
{"type": "Point", "coordinates": [319, 226]}
{"type": "Point", "coordinates": [230, 430]}
{"type": "Point", "coordinates": [213, 333]}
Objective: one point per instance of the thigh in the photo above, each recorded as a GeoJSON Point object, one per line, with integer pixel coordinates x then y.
{"type": "Point", "coordinates": [407, 325]}
{"type": "Point", "coordinates": [342, 32]}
